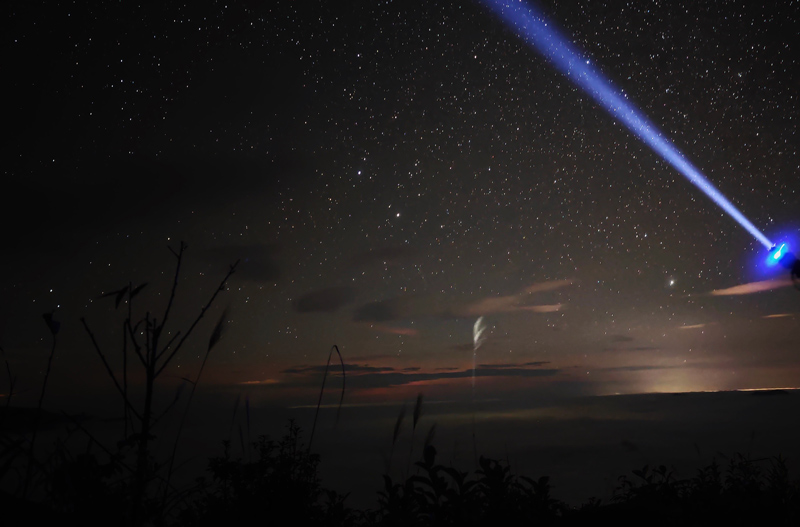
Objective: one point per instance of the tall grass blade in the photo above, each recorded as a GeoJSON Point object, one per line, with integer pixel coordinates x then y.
{"type": "Point", "coordinates": [417, 411]}
{"type": "Point", "coordinates": [12, 380]}
{"type": "Point", "coordinates": [322, 390]}
{"type": "Point", "coordinates": [417, 415]}
{"type": "Point", "coordinates": [430, 435]}
{"type": "Point", "coordinates": [395, 435]}
{"type": "Point", "coordinates": [53, 326]}
{"type": "Point", "coordinates": [119, 294]}
{"type": "Point", "coordinates": [344, 378]}
{"type": "Point", "coordinates": [398, 424]}
{"type": "Point", "coordinates": [217, 333]}
{"type": "Point", "coordinates": [215, 336]}
{"type": "Point", "coordinates": [136, 291]}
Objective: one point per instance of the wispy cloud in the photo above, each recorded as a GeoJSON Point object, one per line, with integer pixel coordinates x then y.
{"type": "Point", "coordinates": [413, 306]}
{"type": "Point", "coordinates": [779, 315]}
{"type": "Point", "coordinates": [521, 301]}
{"type": "Point", "coordinates": [548, 286]}
{"type": "Point", "coordinates": [752, 287]}
{"type": "Point", "coordinates": [693, 326]}
{"type": "Point", "coordinates": [548, 308]}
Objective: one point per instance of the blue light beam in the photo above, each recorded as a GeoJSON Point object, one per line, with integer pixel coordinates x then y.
{"type": "Point", "coordinates": [532, 27]}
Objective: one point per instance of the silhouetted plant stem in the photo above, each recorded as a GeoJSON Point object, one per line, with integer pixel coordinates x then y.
{"type": "Point", "coordinates": [12, 380]}
{"type": "Point", "coordinates": [395, 434]}
{"type": "Point", "coordinates": [94, 441]}
{"type": "Point", "coordinates": [417, 415]}
{"type": "Point", "coordinates": [125, 414]}
{"type": "Point", "coordinates": [179, 257]}
{"type": "Point", "coordinates": [151, 356]}
{"type": "Point", "coordinates": [322, 389]}
{"type": "Point", "coordinates": [220, 288]}
{"type": "Point", "coordinates": [142, 476]}
{"type": "Point", "coordinates": [247, 421]}
{"type": "Point", "coordinates": [109, 370]}
{"type": "Point", "coordinates": [137, 348]}
{"type": "Point", "coordinates": [38, 415]}
{"type": "Point", "coordinates": [215, 336]}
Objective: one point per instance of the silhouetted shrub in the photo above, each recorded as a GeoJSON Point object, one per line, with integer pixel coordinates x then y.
{"type": "Point", "coordinates": [282, 482]}
{"type": "Point", "coordinates": [440, 495]}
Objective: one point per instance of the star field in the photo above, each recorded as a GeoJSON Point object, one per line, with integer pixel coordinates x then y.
{"type": "Point", "coordinates": [386, 171]}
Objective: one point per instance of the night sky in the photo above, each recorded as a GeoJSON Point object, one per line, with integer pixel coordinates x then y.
{"type": "Point", "coordinates": [388, 173]}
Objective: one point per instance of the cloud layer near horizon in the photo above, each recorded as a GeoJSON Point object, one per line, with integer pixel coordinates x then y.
{"type": "Point", "coordinates": [366, 376]}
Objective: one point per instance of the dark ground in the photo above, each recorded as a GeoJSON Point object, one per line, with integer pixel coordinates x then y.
{"type": "Point", "coordinates": [584, 444]}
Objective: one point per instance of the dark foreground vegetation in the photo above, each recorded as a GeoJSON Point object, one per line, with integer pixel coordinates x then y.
{"type": "Point", "coordinates": [281, 481]}
{"type": "Point", "coordinates": [278, 482]}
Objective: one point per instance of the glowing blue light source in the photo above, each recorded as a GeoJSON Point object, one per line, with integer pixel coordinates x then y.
{"type": "Point", "coordinates": [777, 252]}
{"type": "Point", "coordinates": [531, 26]}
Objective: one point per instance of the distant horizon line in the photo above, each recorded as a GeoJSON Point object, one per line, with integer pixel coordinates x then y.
{"type": "Point", "coordinates": [791, 388]}
{"type": "Point", "coordinates": [497, 399]}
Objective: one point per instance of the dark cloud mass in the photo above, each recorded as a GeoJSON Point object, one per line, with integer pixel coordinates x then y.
{"type": "Point", "coordinates": [257, 262]}
{"type": "Point", "coordinates": [365, 376]}
{"type": "Point", "coordinates": [382, 311]}
{"type": "Point", "coordinates": [356, 368]}
{"type": "Point", "coordinates": [401, 378]}
{"type": "Point", "coordinates": [514, 365]}
{"type": "Point", "coordinates": [325, 300]}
